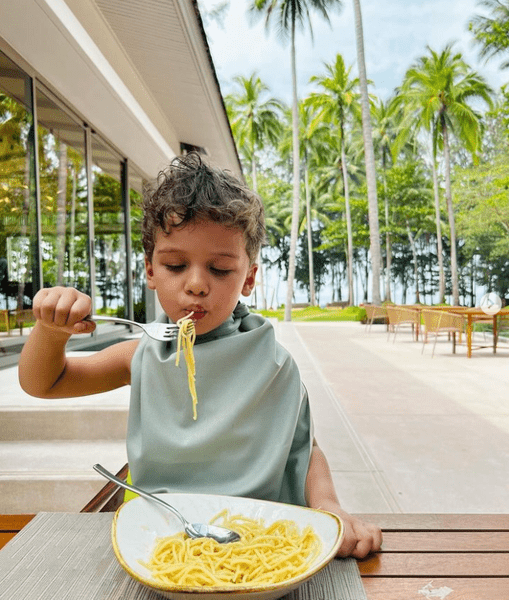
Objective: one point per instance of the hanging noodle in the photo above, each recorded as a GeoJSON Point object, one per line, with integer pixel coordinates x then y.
{"type": "Point", "coordinates": [186, 339]}
{"type": "Point", "coordinates": [264, 555]}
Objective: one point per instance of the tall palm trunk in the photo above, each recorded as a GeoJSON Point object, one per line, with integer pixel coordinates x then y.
{"type": "Point", "coordinates": [441, 275]}
{"type": "Point", "coordinates": [349, 235]}
{"type": "Point", "coordinates": [374, 230]}
{"type": "Point", "coordinates": [388, 241]}
{"type": "Point", "coordinates": [260, 266]}
{"type": "Point", "coordinates": [416, 268]}
{"type": "Point", "coordinates": [450, 212]}
{"type": "Point", "coordinates": [296, 183]}
{"type": "Point", "coordinates": [312, 294]}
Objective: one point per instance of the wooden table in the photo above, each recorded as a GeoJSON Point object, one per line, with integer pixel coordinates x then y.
{"type": "Point", "coordinates": [475, 315]}
{"type": "Point", "coordinates": [472, 315]}
{"type": "Point", "coordinates": [454, 557]}
{"type": "Point", "coordinates": [425, 556]}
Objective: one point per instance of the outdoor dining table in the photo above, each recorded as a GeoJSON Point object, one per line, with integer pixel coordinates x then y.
{"type": "Point", "coordinates": [66, 556]}
{"type": "Point", "coordinates": [475, 315]}
{"type": "Point", "coordinates": [471, 316]}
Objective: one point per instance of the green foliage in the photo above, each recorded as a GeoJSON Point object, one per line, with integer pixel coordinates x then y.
{"type": "Point", "coordinates": [410, 194]}
{"type": "Point", "coordinates": [315, 313]}
{"type": "Point", "coordinates": [492, 32]}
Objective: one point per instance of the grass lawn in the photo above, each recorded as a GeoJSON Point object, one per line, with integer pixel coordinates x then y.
{"type": "Point", "coordinates": [315, 313]}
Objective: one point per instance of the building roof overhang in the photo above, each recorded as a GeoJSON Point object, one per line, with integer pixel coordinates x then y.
{"type": "Point", "coordinates": [137, 71]}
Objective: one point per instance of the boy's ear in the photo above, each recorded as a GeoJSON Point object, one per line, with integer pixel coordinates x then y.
{"type": "Point", "coordinates": [250, 280]}
{"type": "Point", "coordinates": [150, 274]}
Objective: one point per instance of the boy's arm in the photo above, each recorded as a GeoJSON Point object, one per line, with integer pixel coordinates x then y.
{"type": "Point", "coordinates": [44, 369]}
{"type": "Point", "coordinates": [360, 538]}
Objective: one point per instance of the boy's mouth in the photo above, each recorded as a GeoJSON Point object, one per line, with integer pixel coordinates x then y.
{"type": "Point", "coordinates": [196, 313]}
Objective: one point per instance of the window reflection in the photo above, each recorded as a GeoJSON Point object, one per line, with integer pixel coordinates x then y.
{"type": "Point", "coordinates": [109, 232]}
{"type": "Point", "coordinates": [19, 273]}
{"type": "Point", "coordinates": [64, 202]}
{"type": "Point", "coordinates": [138, 256]}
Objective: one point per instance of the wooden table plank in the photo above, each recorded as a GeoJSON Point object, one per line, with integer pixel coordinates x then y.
{"type": "Point", "coordinates": [446, 541]}
{"type": "Point", "coordinates": [380, 588]}
{"type": "Point", "coordinates": [442, 564]}
{"type": "Point", "coordinates": [14, 522]}
{"type": "Point", "coordinates": [423, 522]}
{"type": "Point", "coordinates": [10, 525]}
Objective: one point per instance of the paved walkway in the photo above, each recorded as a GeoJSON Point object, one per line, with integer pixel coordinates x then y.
{"type": "Point", "coordinates": [433, 433]}
{"type": "Point", "coordinates": [403, 432]}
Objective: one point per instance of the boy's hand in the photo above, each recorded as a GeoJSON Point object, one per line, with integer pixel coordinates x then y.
{"type": "Point", "coordinates": [360, 538]}
{"type": "Point", "coordinates": [63, 309]}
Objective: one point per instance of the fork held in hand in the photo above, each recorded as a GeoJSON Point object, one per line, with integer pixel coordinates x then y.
{"type": "Point", "coordinates": [162, 332]}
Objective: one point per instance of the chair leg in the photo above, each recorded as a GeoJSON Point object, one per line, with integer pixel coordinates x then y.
{"type": "Point", "coordinates": [434, 344]}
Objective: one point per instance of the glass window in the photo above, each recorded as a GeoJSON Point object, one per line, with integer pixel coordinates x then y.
{"type": "Point", "coordinates": [64, 198]}
{"type": "Point", "coordinates": [19, 266]}
{"type": "Point", "coordinates": [109, 231]}
{"type": "Point", "coordinates": [138, 256]}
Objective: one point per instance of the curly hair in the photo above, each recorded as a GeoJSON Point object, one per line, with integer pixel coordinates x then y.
{"type": "Point", "coordinates": [190, 190]}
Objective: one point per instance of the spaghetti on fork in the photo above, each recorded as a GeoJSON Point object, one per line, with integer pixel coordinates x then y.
{"type": "Point", "coordinates": [185, 342]}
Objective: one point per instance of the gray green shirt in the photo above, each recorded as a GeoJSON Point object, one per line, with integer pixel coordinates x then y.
{"type": "Point", "coordinates": [253, 436]}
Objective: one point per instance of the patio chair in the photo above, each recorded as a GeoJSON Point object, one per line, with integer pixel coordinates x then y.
{"type": "Point", "coordinates": [399, 316]}
{"type": "Point", "coordinates": [375, 312]}
{"type": "Point", "coordinates": [441, 322]}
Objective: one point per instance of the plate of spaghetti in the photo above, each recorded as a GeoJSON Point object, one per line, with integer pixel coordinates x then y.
{"type": "Point", "coordinates": [281, 546]}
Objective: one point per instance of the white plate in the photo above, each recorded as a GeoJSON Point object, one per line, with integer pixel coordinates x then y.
{"type": "Point", "coordinates": [139, 522]}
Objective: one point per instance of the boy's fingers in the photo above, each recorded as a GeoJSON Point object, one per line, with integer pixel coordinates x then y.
{"type": "Point", "coordinates": [63, 307]}
{"type": "Point", "coordinates": [84, 327]}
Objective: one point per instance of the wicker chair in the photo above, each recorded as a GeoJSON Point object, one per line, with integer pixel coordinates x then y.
{"type": "Point", "coordinates": [400, 316]}
{"type": "Point", "coordinates": [440, 322]}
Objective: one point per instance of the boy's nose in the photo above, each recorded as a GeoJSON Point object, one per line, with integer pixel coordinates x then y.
{"type": "Point", "coordinates": [196, 284]}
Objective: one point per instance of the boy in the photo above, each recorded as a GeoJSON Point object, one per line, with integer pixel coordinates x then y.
{"type": "Point", "coordinates": [202, 231]}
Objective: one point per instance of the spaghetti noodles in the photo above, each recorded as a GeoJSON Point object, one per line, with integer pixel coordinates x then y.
{"type": "Point", "coordinates": [264, 555]}
{"type": "Point", "coordinates": [186, 339]}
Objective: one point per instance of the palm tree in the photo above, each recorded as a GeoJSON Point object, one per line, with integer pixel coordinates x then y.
{"type": "Point", "coordinates": [312, 133]}
{"type": "Point", "coordinates": [374, 233]}
{"type": "Point", "coordinates": [387, 116]}
{"type": "Point", "coordinates": [335, 105]}
{"type": "Point", "coordinates": [492, 33]}
{"type": "Point", "coordinates": [288, 15]}
{"type": "Point", "coordinates": [438, 89]}
{"type": "Point", "coordinates": [254, 122]}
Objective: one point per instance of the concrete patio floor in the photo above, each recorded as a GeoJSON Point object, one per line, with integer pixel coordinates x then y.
{"type": "Point", "coordinates": [433, 432]}
{"type": "Point", "coordinates": [403, 432]}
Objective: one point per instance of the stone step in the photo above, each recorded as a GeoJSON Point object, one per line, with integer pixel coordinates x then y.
{"type": "Point", "coordinates": [54, 422]}
{"type": "Point", "coordinates": [54, 475]}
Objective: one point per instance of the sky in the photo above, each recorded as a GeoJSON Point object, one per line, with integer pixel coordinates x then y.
{"type": "Point", "coordinates": [396, 33]}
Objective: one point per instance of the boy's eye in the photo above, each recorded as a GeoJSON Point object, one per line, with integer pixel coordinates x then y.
{"type": "Point", "coordinates": [175, 268]}
{"type": "Point", "coordinates": [220, 272]}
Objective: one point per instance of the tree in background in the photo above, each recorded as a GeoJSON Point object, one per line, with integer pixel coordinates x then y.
{"type": "Point", "coordinates": [492, 33]}
{"type": "Point", "coordinates": [335, 104]}
{"type": "Point", "coordinates": [369, 157]}
{"type": "Point", "coordinates": [255, 121]}
{"type": "Point", "coordinates": [387, 117]}
{"type": "Point", "coordinates": [438, 90]}
{"type": "Point", "coordinates": [288, 15]}
{"type": "Point", "coordinates": [481, 194]}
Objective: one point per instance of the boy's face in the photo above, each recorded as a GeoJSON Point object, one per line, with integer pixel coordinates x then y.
{"type": "Point", "coordinates": [201, 268]}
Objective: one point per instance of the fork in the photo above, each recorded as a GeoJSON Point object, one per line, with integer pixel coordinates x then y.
{"type": "Point", "coordinates": [162, 332]}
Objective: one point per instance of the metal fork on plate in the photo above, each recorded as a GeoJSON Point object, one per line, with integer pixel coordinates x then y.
{"type": "Point", "coordinates": [162, 332]}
